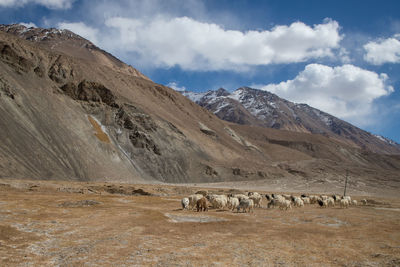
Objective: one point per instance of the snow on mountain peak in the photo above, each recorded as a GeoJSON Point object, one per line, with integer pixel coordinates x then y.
{"type": "Point", "coordinates": [386, 140]}
{"type": "Point", "coordinates": [269, 110]}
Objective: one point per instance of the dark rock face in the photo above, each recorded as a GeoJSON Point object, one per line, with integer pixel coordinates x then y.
{"type": "Point", "coordinates": [90, 91]}
{"type": "Point", "coordinates": [14, 58]}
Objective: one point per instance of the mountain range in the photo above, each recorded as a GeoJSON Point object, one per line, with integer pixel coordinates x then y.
{"type": "Point", "coordinates": [72, 111]}
{"type": "Point", "coordinates": [250, 106]}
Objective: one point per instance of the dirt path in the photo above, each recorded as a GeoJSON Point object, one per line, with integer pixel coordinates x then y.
{"type": "Point", "coordinates": [51, 227]}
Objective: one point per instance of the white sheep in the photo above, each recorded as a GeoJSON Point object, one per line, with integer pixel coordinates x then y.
{"type": "Point", "coordinates": [211, 196]}
{"type": "Point", "coordinates": [354, 202]}
{"type": "Point", "coordinates": [193, 200]}
{"type": "Point", "coordinates": [298, 202]}
{"type": "Point", "coordinates": [246, 204]}
{"type": "Point", "coordinates": [185, 203]}
{"type": "Point", "coordinates": [218, 201]}
{"type": "Point", "coordinates": [233, 202]}
{"type": "Point", "coordinates": [285, 204]}
{"type": "Point", "coordinates": [336, 198]}
{"type": "Point", "coordinates": [306, 200]}
{"type": "Point", "coordinates": [257, 198]}
{"type": "Point", "coordinates": [253, 193]}
{"type": "Point", "coordinates": [257, 201]}
{"type": "Point", "coordinates": [313, 199]}
{"type": "Point", "coordinates": [330, 202]}
{"type": "Point", "coordinates": [348, 198]}
{"type": "Point", "coordinates": [344, 203]}
{"type": "Point", "coordinates": [240, 196]}
{"type": "Point", "coordinates": [279, 197]}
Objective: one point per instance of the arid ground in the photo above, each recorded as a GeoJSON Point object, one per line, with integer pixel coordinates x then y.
{"type": "Point", "coordinates": [105, 224]}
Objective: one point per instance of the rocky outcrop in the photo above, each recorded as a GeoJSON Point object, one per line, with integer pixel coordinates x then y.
{"type": "Point", "coordinates": [15, 58]}
{"type": "Point", "coordinates": [90, 91]}
{"type": "Point", "coordinates": [204, 129]}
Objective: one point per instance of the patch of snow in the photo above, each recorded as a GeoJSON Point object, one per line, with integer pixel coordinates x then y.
{"type": "Point", "coordinates": [211, 97]}
{"type": "Point", "coordinates": [262, 116]}
{"type": "Point", "coordinates": [386, 140]}
{"type": "Point", "coordinates": [24, 30]}
{"type": "Point", "coordinates": [248, 103]}
{"type": "Point", "coordinates": [195, 97]}
{"type": "Point", "coordinates": [326, 119]}
{"type": "Point", "coordinates": [220, 106]}
{"type": "Point", "coordinates": [236, 95]}
{"type": "Point", "coordinates": [380, 137]}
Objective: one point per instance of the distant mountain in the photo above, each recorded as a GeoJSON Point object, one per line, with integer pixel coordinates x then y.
{"type": "Point", "coordinates": [250, 106]}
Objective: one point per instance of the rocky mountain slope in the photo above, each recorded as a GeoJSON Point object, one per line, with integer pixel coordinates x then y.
{"type": "Point", "coordinates": [67, 42]}
{"type": "Point", "coordinates": [256, 107]}
{"type": "Point", "coordinates": [74, 112]}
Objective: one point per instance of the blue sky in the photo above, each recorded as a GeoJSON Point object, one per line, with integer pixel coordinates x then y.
{"type": "Point", "coordinates": [342, 57]}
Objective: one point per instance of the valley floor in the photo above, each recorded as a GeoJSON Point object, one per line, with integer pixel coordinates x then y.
{"type": "Point", "coordinates": [104, 224]}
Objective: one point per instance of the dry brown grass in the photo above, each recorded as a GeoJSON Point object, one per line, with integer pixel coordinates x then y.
{"type": "Point", "coordinates": [43, 226]}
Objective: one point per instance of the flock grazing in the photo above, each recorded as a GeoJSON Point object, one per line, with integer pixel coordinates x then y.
{"type": "Point", "coordinates": [201, 201]}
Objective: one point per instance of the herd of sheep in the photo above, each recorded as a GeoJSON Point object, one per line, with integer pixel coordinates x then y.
{"type": "Point", "coordinates": [247, 202]}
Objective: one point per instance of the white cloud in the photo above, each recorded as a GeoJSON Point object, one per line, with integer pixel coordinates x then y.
{"type": "Point", "coordinates": [28, 25]}
{"type": "Point", "coordinates": [52, 4]}
{"type": "Point", "coordinates": [81, 29]}
{"type": "Point", "coordinates": [383, 51]}
{"type": "Point", "coordinates": [194, 45]}
{"type": "Point", "coordinates": [175, 86]}
{"type": "Point", "coordinates": [344, 55]}
{"type": "Point", "coordinates": [345, 91]}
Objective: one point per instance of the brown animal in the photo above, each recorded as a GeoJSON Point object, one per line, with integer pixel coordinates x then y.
{"type": "Point", "coordinates": [201, 204]}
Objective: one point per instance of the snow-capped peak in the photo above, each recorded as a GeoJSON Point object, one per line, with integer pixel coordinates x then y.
{"type": "Point", "coordinates": [386, 140]}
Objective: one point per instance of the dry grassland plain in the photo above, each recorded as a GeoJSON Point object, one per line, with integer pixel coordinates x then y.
{"type": "Point", "coordinates": [105, 224]}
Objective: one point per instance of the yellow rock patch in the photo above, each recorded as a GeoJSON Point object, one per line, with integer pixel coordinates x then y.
{"type": "Point", "coordinates": [100, 134]}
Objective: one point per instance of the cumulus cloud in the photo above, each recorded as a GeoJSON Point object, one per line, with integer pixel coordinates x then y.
{"type": "Point", "coordinates": [195, 45]}
{"type": "Point", "coordinates": [347, 91]}
{"type": "Point", "coordinates": [175, 86]}
{"type": "Point", "coordinates": [51, 4]}
{"type": "Point", "coordinates": [383, 51]}
{"type": "Point", "coordinates": [81, 29]}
